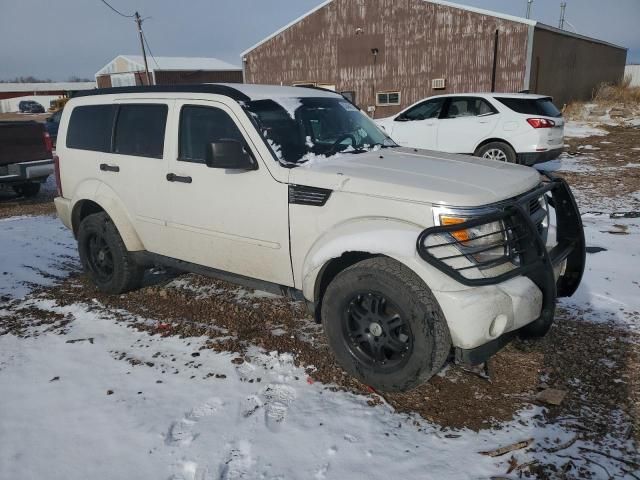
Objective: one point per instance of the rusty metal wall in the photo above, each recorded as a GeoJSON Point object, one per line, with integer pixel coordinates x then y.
{"type": "Point", "coordinates": [417, 41]}
{"type": "Point", "coordinates": [569, 68]}
{"type": "Point", "coordinates": [174, 77]}
{"type": "Point", "coordinates": [103, 81]}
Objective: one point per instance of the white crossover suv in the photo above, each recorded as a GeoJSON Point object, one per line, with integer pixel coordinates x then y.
{"type": "Point", "coordinates": [515, 128]}
{"type": "Point", "coordinates": [404, 255]}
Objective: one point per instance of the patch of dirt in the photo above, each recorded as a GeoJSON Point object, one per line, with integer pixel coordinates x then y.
{"type": "Point", "coordinates": [11, 205]}
{"type": "Point", "coordinates": [616, 162]}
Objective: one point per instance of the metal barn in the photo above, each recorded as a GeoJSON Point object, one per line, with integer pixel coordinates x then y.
{"type": "Point", "coordinates": [128, 70]}
{"type": "Point", "coordinates": [388, 54]}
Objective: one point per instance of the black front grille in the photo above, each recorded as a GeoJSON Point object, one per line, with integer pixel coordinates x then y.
{"type": "Point", "coordinates": [521, 239]}
{"type": "Point", "coordinates": [303, 195]}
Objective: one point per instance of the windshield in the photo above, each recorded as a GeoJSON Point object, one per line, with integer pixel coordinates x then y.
{"type": "Point", "coordinates": [301, 129]}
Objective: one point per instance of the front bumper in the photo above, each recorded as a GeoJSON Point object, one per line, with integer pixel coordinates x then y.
{"type": "Point", "coordinates": [524, 295]}
{"type": "Point", "coordinates": [532, 158]}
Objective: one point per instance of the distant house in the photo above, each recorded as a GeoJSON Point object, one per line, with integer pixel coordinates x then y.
{"type": "Point", "coordinates": [387, 54]}
{"type": "Point", "coordinates": [126, 70]}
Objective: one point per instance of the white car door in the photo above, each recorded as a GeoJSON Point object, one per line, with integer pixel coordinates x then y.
{"type": "Point", "coordinates": [417, 127]}
{"type": "Point", "coordinates": [232, 220]}
{"type": "Point", "coordinates": [465, 122]}
{"type": "Point", "coordinates": [140, 152]}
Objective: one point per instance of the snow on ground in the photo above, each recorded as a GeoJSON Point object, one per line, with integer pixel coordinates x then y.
{"type": "Point", "coordinates": [263, 420]}
{"type": "Point", "coordinates": [33, 250]}
{"type": "Point", "coordinates": [567, 163]}
{"type": "Point", "coordinates": [104, 400]}
{"type": "Point", "coordinates": [610, 289]}
{"type": "Point", "coordinates": [579, 129]}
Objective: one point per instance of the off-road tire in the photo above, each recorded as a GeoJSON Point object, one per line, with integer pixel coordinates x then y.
{"type": "Point", "coordinates": [509, 154]}
{"type": "Point", "coordinates": [127, 274]}
{"type": "Point", "coordinates": [431, 341]}
{"type": "Point", "coordinates": [27, 190]}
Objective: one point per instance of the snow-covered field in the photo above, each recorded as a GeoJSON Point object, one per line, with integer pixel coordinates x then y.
{"type": "Point", "coordinates": [92, 397]}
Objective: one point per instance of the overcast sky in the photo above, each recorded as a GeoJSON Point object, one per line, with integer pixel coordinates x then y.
{"type": "Point", "coordinates": [60, 38]}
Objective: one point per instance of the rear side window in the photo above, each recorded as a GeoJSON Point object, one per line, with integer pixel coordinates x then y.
{"type": "Point", "coordinates": [140, 130]}
{"type": "Point", "coordinates": [90, 128]}
{"type": "Point", "coordinates": [532, 106]}
{"type": "Point", "coordinates": [201, 126]}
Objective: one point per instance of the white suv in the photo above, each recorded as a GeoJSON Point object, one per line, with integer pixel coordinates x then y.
{"type": "Point", "coordinates": [514, 128]}
{"type": "Point", "coordinates": [404, 255]}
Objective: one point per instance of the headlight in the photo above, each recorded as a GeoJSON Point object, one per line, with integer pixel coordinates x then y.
{"type": "Point", "coordinates": [483, 244]}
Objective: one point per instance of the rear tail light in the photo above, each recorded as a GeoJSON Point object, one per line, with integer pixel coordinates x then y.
{"type": "Point", "coordinates": [48, 144]}
{"type": "Point", "coordinates": [56, 168]}
{"type": "Point", "coordinates": [541, 123]}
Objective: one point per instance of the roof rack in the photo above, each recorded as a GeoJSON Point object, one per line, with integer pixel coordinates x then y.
{"type": "Point", "coordinates": [212, 88]}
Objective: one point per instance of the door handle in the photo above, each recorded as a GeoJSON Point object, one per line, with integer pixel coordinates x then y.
{"type": "Point", "coordinates": [172, 177]}
{"type": "Point", "coordinates": [109, 168]}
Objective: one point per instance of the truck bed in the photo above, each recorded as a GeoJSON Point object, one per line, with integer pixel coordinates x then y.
{"type": "Point", "coordinates": [22, 142]}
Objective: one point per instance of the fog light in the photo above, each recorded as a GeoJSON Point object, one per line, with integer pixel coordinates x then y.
{"type": "Point", "coordinates": [498, 325]}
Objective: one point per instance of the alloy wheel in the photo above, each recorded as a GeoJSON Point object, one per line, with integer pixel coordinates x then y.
{"type": "Point", "coordinates": [376, 332]}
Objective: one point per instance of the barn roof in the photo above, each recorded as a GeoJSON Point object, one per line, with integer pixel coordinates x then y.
{"type": "Point", "coordinates": [46, 86]}
{"type": "Point", "coordinates": [135, 63]}
{"type": "Point", "coordinates": [512, 18]}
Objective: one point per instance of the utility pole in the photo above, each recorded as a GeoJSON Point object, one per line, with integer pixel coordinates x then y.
{"type": "Point", "coordinates": [144, 53]}
{"type": "Point", "coordinates": [529, 4]}
{"type": "Point", "coordinates": [563, 8]}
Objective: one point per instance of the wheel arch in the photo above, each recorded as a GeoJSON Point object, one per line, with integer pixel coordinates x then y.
{"type": "Point", "coordinates": [361, 239]}
{"type": "Point", "coordinates": [491, 140]}
{"type": "Point", "coordinates": [104, 199]}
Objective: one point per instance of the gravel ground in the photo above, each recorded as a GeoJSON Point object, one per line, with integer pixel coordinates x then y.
{"type": "Point", "coordinates": [611, 163]}
{"type": "Point", "coordinates": [11, 205]}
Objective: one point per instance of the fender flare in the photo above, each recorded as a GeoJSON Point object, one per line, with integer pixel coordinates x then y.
{"type": "Point", "coordinates": [103, 195]}
{"type": "Point", "coordinates": [378, 236]}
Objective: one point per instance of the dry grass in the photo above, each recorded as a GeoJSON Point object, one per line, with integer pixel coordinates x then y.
{"type": "Point", "coordinates": [606, 97]}
{"type": "Point", "coordinates": [623, 93]}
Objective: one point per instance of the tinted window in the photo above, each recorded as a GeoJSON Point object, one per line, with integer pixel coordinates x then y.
{"type": "Point", "coordinates": [90, 128]}
{"type": "Point", "coordinates": [428, 109]}
{"type": "Point", "coordinates": [140, 130]}
{"type": "Point", "coordinates": [201, 126]}
{"type": "Point", "coordinates": [468, 107]}
{"type": "Point", "coordinates": [532, 106]}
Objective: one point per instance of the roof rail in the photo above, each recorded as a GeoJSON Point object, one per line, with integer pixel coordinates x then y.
{"type": "Point", "coordinates": [212, 88]}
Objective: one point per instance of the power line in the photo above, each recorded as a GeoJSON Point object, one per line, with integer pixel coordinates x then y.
{"type": "Point", "coordinates": [117, 11]}
{"type": "Point", "coordinates": [143, 40]}
{"type": "Point", "coordinates": [146, 42]}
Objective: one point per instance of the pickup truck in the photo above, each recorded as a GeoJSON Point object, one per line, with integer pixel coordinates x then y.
{"type": "Point", "coordinates": [26, 158]}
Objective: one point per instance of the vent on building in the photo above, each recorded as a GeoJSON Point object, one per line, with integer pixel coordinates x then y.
{"type": "Point", "coordinates": [438, 84]}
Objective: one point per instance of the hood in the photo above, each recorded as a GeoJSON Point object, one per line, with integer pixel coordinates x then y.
{"type": "Point", "coordinates": [420, 176]}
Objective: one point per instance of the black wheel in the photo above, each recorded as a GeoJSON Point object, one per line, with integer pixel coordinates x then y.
{"type": "Point", "coordinates": [384, 325]}
{"type": "Point", "coordinates": [105, 257]}
{"type": "Point", "coordinates": [497, 151]}
{"type": "Point", "coordinates": [27, 189]}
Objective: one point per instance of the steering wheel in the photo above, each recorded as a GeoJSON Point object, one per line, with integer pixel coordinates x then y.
{"type": "Point", "coordinates": [341, 139]}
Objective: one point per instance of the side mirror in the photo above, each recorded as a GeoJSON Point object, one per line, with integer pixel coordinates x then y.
{"type": "Point", "coordinates": [401, 118]}
{"type": "Point", "coordinates": [230, 155]}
